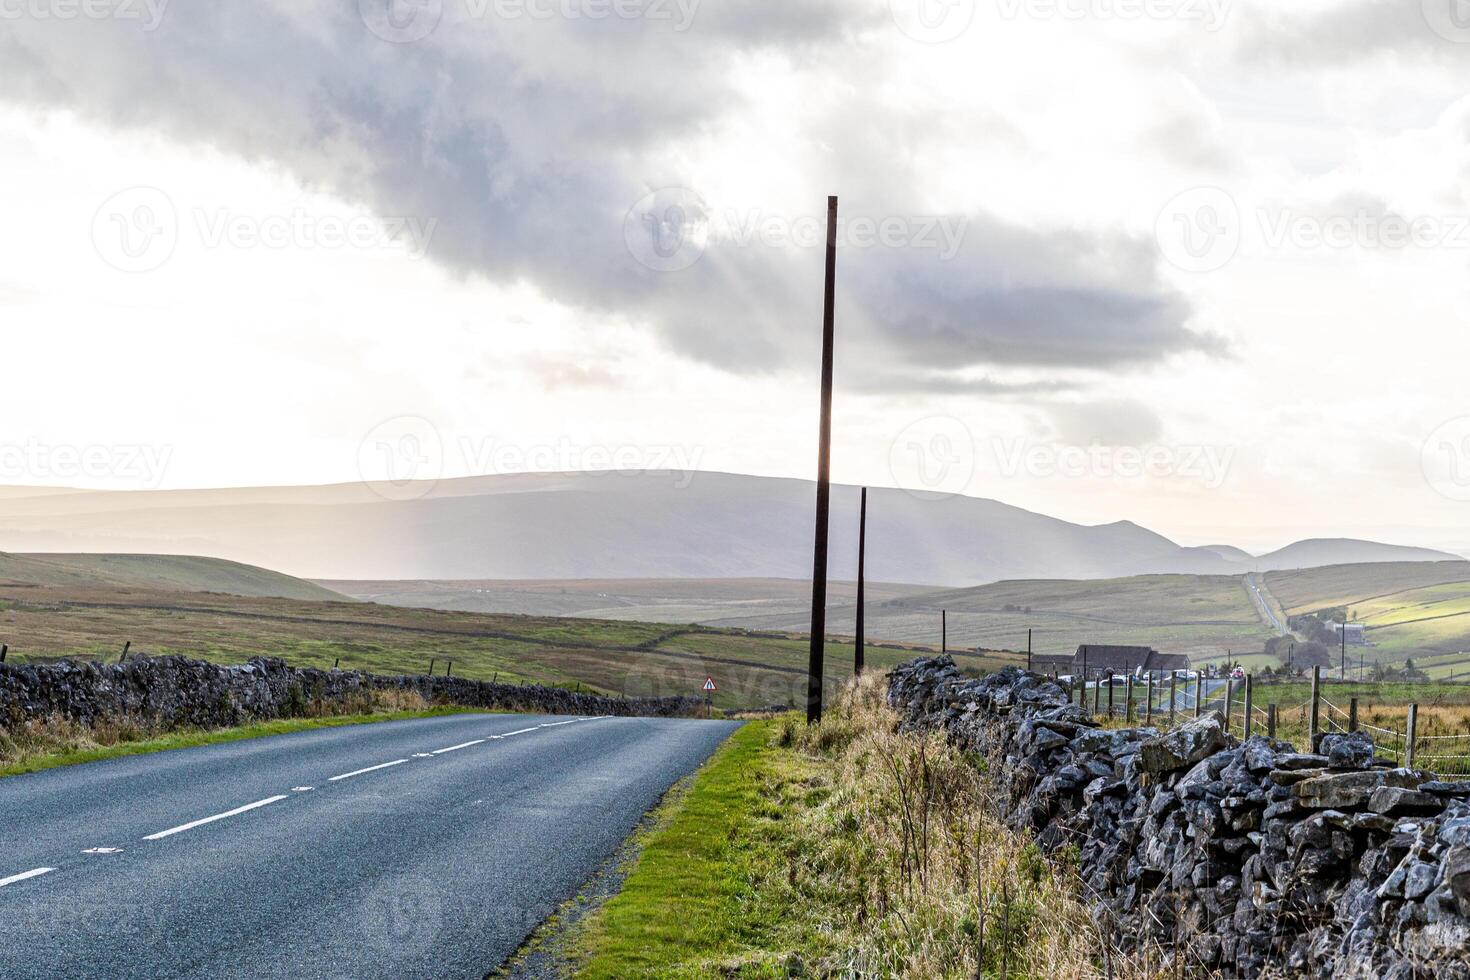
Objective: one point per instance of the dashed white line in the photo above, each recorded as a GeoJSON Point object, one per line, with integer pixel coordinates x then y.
{"type": "Point", "coordinates": [218, 816]}
{"type": "Point", "coordinates": [456, 748]}
{"type": "Point", "coordinates": [359, 772]}
{"type": "Point", "coordinates": [35, 873]}
{"type": "Point", "coordinates": [519, 732]}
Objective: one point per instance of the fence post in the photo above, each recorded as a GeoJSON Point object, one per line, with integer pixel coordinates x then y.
{"type": "Point", "coordinates": [1199, 692]}
{"type": "Point", "coordinates": [336, 663]}
{"type": "Point", "coordinates": [1410, 736]}
{"type": "Point", "coordinates": [1353, 715]}
{"type": "Point", "coordinates": [431, 666]}
{"type": "Point", "coordinates": [1173, 694]}
{"type": "Point", "coordinates": [1110, 694]}
{"type": "Point", "coordinates": [1316, 707]}
{"type": "Point", "coordinates": [448, 668]}
{"type": "Point", "coordinates": [1097, 694]}
{"type": "Point", "coordinates": [1246, 731]}
{"type": "Point", "coordinates": [1229, 695]}
{"type": "Point", "coordinates": [1271, 720]}
{"type": "Point", "coordinates": [1128, 698]}
{"type": "Point", "coordinates": [1148, 704]}
{"type": "Point", "coordinates": [4, 649]}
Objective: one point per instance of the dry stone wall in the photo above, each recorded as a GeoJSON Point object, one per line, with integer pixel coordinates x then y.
{"type": "Point", "coordinates": [1244, 859]}
{"type": "Point", "coordinates": [170, 692]}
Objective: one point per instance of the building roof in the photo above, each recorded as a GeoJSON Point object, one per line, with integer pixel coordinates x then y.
{"type": "Point", "coordinates": [1126, 659]}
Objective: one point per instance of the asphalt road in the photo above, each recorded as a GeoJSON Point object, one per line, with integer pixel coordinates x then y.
{"type": "Point", "coordinates": [423, 848]}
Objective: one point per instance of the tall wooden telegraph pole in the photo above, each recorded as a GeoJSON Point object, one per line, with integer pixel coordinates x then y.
{"type": "Point", "coordinates": [824, 480]}
{"type": "Point", "coordinates": [857, 653]}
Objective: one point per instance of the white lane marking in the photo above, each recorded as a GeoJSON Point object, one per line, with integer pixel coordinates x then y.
{"type": "Point", "coordinates": [359, 772]}
{"type": "Point", "coordinates": [22, 877]}
{"type": "Point", "coordinates": [103, 850]}
{"type": "Point", "coordinates": [301, 789]}
{"type": "Point", "coordinates": [456, 748]}
{"type": "Point", "coordinates": [218, 816]}
{"type": "Point", "coordinates": [520, 732]}
{"type": "Point", "coordinates": [423, 755]}
{"type": "Point", "coordinates": [553, 724]}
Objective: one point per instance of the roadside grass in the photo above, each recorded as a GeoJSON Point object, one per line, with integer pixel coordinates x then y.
{"type": "Point", "coordinates": [49, 743]}
{"type": "Point", "coordinates": [848, 849]}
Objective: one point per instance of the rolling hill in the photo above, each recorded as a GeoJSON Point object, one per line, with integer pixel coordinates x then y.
{"type": "Point", "coordinates": [177, 573]}
{"type": "Point", "coordinates": [658, 525]}
{"type": "Point", "coordinates": [1202, 615]}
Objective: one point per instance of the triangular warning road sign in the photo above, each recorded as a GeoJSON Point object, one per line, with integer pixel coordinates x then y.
{"type": "Point", "coordinates": [709, 684]}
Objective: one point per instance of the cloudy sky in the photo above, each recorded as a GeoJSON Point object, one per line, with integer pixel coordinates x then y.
{"type": "Point", "coordinates": [1201, 264]}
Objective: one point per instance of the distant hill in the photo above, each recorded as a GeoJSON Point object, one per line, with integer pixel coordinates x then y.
{"type": "Point", "coordinates": [1229, 552]}
{"type": "Point", "coordinates": [169, 573]}
{"type": "Point", "coordinates": [650, 524]}
{"type": "Point", "coordinates": [1316, 552]}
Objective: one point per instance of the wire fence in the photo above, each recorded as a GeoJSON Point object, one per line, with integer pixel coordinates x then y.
{"type": "Point", "coordinates": [1162, 698]}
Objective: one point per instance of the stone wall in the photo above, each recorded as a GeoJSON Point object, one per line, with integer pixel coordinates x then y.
{"type": "Point", "coordinates": [169, 692]}
{"type": "Point", "coordinates": [1245, 859]}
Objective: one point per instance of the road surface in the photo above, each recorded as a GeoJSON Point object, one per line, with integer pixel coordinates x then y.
{"type": "Point", "coordinates": [409, 849]}
{"type": "Point", "coordinates": [1261, 596]}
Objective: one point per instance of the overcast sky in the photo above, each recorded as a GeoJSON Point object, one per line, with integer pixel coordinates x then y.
{"type": "Point", "coordinates": [1199, 264]}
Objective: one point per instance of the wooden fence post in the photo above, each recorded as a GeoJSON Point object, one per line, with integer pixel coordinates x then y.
{"type": "Point", "coordinates": [431, 666]}
{"type": "Point", "coordinates": [1173, 694]}
{"type": "Point", "coordinates": [1229, 694]}
{"type": "Point", "coordinates": [1246, 730]}
{"type": "Point", "coordinates": [1409, 737]}
{"type": "Point", "coordinates": [1128, 698]}
{"type": "Point", "coordinates": [1353, 715]}
{"type": "Point", "coordinates": [1316, 707]}
{"type": "Point", "coordinates": [1148, 704]}
{"type": "Point", "coordinates": [1199, 692]}
{"type": "Point", "coordinates": [1110, 694]}
{"type": "Point", "coordinates": [1097, 694]}
{"type": "Point", "coordinates": [1271, 720]}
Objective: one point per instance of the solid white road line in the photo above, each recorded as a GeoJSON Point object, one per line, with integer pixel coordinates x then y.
{"type": "Point", "coordinates": [359, 772]}
{"type": "Point", "coordinates": [22, 877]}
{"type": "Point", "coordinates": [519, 732]}
{"type": "Point", "coordinates": [456, 748]}
{"type": "Point", "coordinates": [218, 816]}
{"type": "Point", "coordinates": [553, 724]}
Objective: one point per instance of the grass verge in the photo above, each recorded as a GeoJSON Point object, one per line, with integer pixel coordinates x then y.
{"type": "Point", "coordinates": [845, 850]}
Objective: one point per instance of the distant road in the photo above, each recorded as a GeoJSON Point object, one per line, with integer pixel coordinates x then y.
{"type": "Point", "coordinates": [415, 849]}
{"type": "Point", "coordinates": [1261, 596]}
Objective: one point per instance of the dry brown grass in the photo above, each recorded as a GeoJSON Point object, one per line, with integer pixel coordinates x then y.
{"type": "Point", "coordinates": [26, 743]}
{"type": "Point", "coordinates": [906, 841]}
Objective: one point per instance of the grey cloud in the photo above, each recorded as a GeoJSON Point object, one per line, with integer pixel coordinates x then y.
{"type": "Point", "coordinates": [1117, 422]}
{"type": "Point", "coordinates": [1279, 34]}
{"type": "Point", "coordinates": [529, 141]}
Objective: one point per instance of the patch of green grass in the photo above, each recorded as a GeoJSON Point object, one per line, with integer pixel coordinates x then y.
{"type": "Point", "coordinates": [190, 738]}
{"type": "Point", "coordinates": [688, 904]}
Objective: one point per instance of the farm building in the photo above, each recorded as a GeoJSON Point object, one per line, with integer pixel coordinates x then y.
{"type": "Point", "coordinates": [1356, 633]}
{"type": "Point", "coordinates": [1110, 658]}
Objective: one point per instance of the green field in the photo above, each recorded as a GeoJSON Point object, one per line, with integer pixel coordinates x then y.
{"type": "Point", "coordinates": [1409, 609]}
{"type": "Point", "coordinates": [749, 669]}
{"type": "Point", "coordinates": [1204, 616]}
